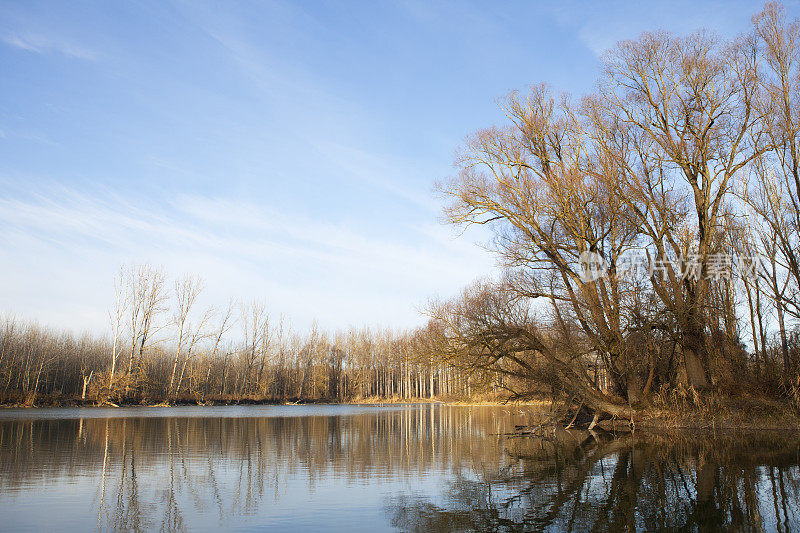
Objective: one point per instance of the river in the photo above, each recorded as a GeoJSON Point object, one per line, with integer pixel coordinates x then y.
{"type": "Point", "coordinates": [427, 467]}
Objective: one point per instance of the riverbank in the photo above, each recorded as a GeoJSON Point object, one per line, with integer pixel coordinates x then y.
{"type": "Point", "coordinates": [63, 401]}
{"type": "Point", "coordinates": [724, 413]}
{"type": "Point", "coordinates": [542, 405]}
{"type": "Point", "coordinates": [216, 400]}
{"type": "Point", "coordinates": [744, 413]}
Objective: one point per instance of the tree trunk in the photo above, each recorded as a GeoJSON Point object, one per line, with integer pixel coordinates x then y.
{"type": "Point", "coordinates": [693, 342]}
{"type": "Point", "coordinates": [86, 381]}
{"type": "Point", "coordinates": [751, 307]}
{"type": "Point", "coordinates": [784, 343]}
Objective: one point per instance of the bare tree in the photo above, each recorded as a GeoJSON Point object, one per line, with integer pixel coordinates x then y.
{"type": "Point", "coordinates": [147, 298]}
{"type": "Point", "coordinates": [224, 326]}
{"type": "Point", "coordinates": [187, 290]}
{"type": "Point", "coordinates": [115, 318]}
{"type": "Point", "coordinates": [198, 334]}
{"type": "Point", "coordinates": [685, 125]}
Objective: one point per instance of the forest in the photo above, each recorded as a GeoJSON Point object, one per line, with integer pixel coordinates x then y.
{"type": "Point", "coordinates": [648, 233]}
{"type": "Point", "coordinates": [164, 348]}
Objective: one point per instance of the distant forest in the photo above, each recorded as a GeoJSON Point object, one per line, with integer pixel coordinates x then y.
{"type": "Point", "coordinates": [163, 348]}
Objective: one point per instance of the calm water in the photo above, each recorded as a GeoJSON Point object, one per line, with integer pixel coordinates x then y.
{"type": "Point", "coordinates": [354, 468]}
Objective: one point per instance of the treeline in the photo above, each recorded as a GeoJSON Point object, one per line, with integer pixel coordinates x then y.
{"type": "Point", "coordinates": [164, 348]}
{"type": "Point", "coordinates": [650, 230]}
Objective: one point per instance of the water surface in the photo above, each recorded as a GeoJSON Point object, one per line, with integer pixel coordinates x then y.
{"type": "Point", "coordinates": [372, 468]}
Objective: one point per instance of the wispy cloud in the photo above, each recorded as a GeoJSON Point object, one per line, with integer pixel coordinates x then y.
{"type": "Point", "coordinates": [600, 26]}
{"type": "Point", "coordinates": [7, 133]}
{"type": "Point", "coordinates": [40, 44]}
{"type": "Point", "coordinates": [380, 172]}
{"type": "Point", "coordinates": [315, 109]}
{"type": "Point", "coordinates": [302, 266]}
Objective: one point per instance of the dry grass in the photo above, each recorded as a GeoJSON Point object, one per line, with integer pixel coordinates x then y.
{"type": "Point", "coordinates": [718, 411]}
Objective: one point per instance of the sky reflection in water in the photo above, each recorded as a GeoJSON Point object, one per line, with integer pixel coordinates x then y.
{"type": "Point", "coordinates": [365, 468]}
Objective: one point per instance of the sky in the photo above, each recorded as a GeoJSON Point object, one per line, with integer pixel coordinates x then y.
{"type": "Point", "coordinates": [284, 152]}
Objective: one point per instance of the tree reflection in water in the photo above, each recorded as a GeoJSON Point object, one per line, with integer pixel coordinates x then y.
{"type": "Point", "coordinates": [582, 481]}
{"type": "Point", "coordinates": [411, 468]}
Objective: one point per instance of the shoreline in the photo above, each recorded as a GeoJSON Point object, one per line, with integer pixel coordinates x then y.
{"type": "Point", "coordinates": [70, 403]}
{"type": "Point", "coordinates": [750, 417]}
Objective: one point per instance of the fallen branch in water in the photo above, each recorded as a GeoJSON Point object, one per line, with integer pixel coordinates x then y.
{"type": "Point", "coordinates": [519, 432]}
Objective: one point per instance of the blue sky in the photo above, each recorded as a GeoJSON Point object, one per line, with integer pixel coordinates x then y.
{"type": "Point", "coordinates": [283, 151]}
